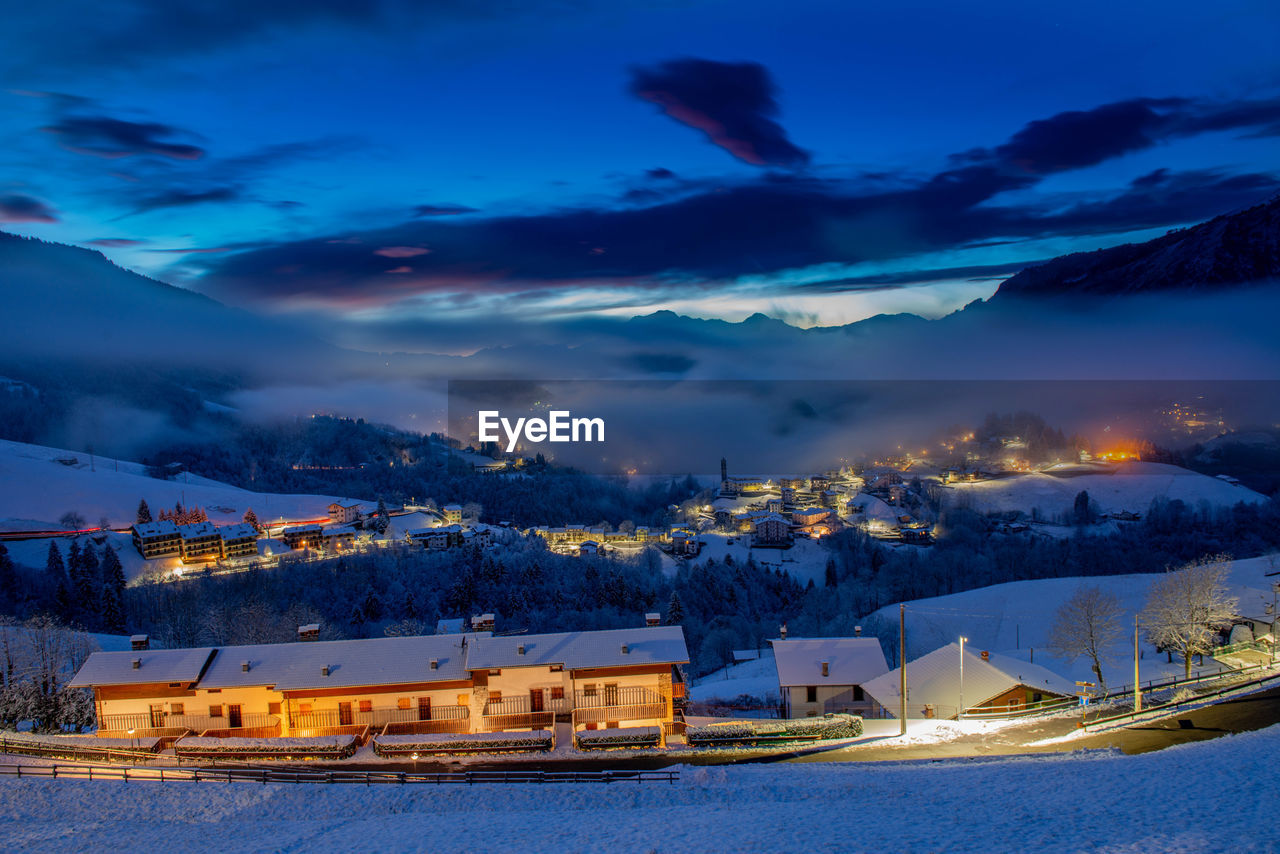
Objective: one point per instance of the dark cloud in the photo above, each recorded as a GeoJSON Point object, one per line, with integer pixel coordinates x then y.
{"type": "Point", "coordinates": [442, 210]}
{"type": "Point", "coordinates": [114, 242]}
{"type": "Point", "coordinates": [179, 198]}
{"type": "Point", "coordinates": [95, 35]}
{"type": "Point", "coordinates": [732, 103]}
{"type": "Point", "coordinates": [700, 234]}
{"type": "Point", "coordinates": [103, 136]}
{"type": "Point", "coordinates": [660, 173]}
{"type": "Point", "coordinates": [19, 208]}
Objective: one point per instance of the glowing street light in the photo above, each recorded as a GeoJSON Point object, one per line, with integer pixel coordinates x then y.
{"type": "Point", "coordinates": [960, 710]}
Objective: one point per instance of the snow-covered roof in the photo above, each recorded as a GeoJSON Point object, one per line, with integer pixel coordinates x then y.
{"type": "Point", "coordinates": [238, 532]}
{"type": "Point", "coordinates": [850, 661]}
{"type": "Point", "coordinates": [154, 665]}
{"type": "Point", "coordinates": [578, 650]}
{"type": "Point", "coordinates": [935, 679]}
{"type": "Point", "coordinates": [301, 529]}
{"type": "Point", "coordinates": [197, 529]}
{"type": "Point", "coordinates": [372, 661]}
{"type": "Point", "coordinates": [156, 529]}
{"type": "Point", "coordinates": [450, 508]}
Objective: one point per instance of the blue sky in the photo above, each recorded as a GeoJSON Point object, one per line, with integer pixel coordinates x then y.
{"type": "Point", "coordinates": [464, 162]}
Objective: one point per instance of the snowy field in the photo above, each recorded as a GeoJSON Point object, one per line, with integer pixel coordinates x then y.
{"type": "Point", "coordinates": [1014, 618]}
{"type": "Point", "coordinates": [757, 678]}
{"type": "Point", "coordinates": [1114, 803]}
{"type": "Point", "coordinates": [36, 489]}
{"type": "Point", "coordinates": [1130, 487]}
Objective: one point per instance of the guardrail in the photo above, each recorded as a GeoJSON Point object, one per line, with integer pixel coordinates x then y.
{"type": "Point", "coordinates": [1164, 709]}
{"type": "Point", "coordinates": [367, 778]}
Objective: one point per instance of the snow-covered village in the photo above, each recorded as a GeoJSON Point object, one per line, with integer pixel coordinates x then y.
{"type": "Point", "coordinates": [631, 427]}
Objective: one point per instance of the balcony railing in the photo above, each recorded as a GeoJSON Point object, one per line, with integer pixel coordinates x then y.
{"type": "Point", "coordinates": [375, 718]}
{"type": "Point", "coordinates": [619, 704]}
{"type": "Point", "coordinates": [199, 723]}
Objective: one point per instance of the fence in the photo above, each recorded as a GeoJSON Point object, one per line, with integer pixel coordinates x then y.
{"type": "Point", "coordinates": [379, 717]}
{"type": "Point", "coordinates": [1157, 711]}
{"type": "Point", "coordinates": [367, 778]}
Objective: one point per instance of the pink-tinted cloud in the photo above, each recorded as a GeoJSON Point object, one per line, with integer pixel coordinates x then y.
{"type": "Point", "coordinates": [114, 242]}
{"type": "Point", "coordinates": [401, 270]}
{"type": "Point", "coordinates": [401, 251]}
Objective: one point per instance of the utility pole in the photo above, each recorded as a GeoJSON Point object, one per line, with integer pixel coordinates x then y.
{"type": "Point", "coordinates": [960, 710]}
{"type": "Point", "coordinates": [1137, 691]}
{"type": "Point", "coordinates": [902, 664]}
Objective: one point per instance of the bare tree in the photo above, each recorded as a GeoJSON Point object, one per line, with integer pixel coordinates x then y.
{"type": "Point", "coordinates": [1187, 607]}
{"type": "Point", "coordinates": [1086, 624]}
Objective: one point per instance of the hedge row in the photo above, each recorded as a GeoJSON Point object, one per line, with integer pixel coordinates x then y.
{"type": "Point", "coordinates": [642, 736]}
{"type": "Point", "coordinates": [826, 727]}
{"type": "Point", "coordinates": [448, 742]}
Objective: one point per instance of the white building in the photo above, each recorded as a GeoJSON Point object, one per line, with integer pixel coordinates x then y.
{"type": "Point", "coordinates": [821, 675]}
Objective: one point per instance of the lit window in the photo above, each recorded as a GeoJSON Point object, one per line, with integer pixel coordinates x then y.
{"type": "Point", "coordinates": [402, 703]}
{"type": "Point", "coordinates": [215, 711]}
{"type": "Point", "coordinates": [366, 705]}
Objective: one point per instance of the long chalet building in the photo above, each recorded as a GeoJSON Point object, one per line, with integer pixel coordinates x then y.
{"type": "Point", "coordinates": [464, 683]}
{"type": "Point", "coordinates": [199, 541]}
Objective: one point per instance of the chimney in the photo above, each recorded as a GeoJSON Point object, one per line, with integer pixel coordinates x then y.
{"type": "Point", "coordinates": [435, 664]}
{"type": "Point", "coordinates": [783, 631]}
{"type": "Point", "coordinates": [140, 642]}
{"type": "Point", "coordinates": [244, 666]}
{"type": "Point", "coordinates": [626, 650]}
{"type": "Point", "coordinates": [652, 619]}
{"type": "Point", "coordinates": [137, 662]}
{"type": "Point", "coordinates": [520, 649]}
{"type": "Point", "coordinates": [826, 669]}
{"type": "Point", "coordinates": [986, 656]}
{"type": "Point", "coordinates": [857, 631]}
{"type": "Point", "coordinates": [324, 670]}
{"type": "Point", "coordinates": [309, 632]}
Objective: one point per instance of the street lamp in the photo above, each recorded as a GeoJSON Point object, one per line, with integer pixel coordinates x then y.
{"type": "Point", "coordinates": [960, 710]}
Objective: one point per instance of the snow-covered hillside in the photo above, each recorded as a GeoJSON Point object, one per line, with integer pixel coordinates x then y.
{"type": "Point", "coordinates": [1013, 619]}
{"type": "Point", "coordinates": [1129, 486]}
{"type": "Point", "coordinates": [38, 485]}
{"type": "Point", "coordinates": [1121, 804]}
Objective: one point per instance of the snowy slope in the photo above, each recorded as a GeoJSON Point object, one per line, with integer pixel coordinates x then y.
{"type": "Point", "coordinates": [757, 678]}
{"type": "Point", "coordinates": [36, 489]}
{"type": "Point", "coordinates": [1130, 487]}
{"type": "Point", "coordinates": [1015, 618]}
{"type": "Point", "coordinates": [1064, 802]}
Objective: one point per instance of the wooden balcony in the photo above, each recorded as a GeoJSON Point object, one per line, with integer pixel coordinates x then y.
{"type": "Point", "coordinates": [619, 704]}
{"type": "Point", "coordinates": [379, 717]}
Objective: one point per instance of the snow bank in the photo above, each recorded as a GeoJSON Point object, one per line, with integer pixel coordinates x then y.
{"type": "Point", "coordinates": [1123, 804]}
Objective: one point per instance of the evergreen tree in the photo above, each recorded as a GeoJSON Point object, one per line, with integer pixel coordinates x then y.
{"type": "Point", "coordinates": [251, 519]}
{"type": "Point", "coordinates": [56, 573]}
{"type": "Point", "coordinates": [87, 586]}
{"type": "Point", "coordinates": [144, 512]}
{"type": "Point", "coordinates": [112, 611]}
{"type": "Point", "coordinates": [8, 576]}
{"type": "Point", "coordinates": [675, 611]}
{"type": "Point", "coordinates": [112, 571]}
{"type": "Point", "coordinates": [830, 577]}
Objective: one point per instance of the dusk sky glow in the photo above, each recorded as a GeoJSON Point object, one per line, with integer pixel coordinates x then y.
{"type": "Point", "coordinates": [817, 161]}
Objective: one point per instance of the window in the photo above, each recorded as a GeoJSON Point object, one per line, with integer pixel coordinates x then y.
{"type": "Point", "coordinates": [366, 705]}
{"type": "Point", "coordinates": [495, 696]}
{"type": "Point", "coordinates": [557, 668]}
{"type": "Point", "coordinates": [589, 690]}
{"type": "Point", "coordinates": [402, 702]}
{"type": "Point", "coordinates": [495, 672]}
{"type": "Point", "coordinates": [857, 693]}
{"type": "Point", "coordinates": [273, 708]}
{"type": "Point", "coordinates": [464, 699]}
{"type": "Point", "coordinates": [591, 726]}
{"type": "Point", "coordinates": [215, 690]}
{"type": "Point", "coordinates": [175, 684]}
{"type": "Point", "coordinates": [304, 708]}
{"type": "Point", "coordinates": [176, 709]}
{"type": "Point", "coordinates": [611, 725]}
{"type": "Point", "coordinates": [811, 694]}
{"type": "Point", "coordinates": [557, 693]}
{"type": "Point", "coordinates": [215, 711]}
